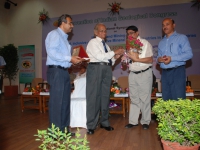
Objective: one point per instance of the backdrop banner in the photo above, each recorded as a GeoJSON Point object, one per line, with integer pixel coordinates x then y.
{"type": "Point", "coordinates": [149, 22]}
{"type": "Point", "coordinates": [26, 63]}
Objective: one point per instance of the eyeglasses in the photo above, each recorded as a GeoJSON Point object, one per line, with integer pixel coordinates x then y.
{"type": "Point", "coordinates": [103, 31]}
{"type": "Point", "coordinates": [131, 33]}
{"type": "Point", "coordinates": [70, 23]}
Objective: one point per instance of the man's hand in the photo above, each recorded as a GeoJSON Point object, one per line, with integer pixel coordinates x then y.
{"type": "Point", "coordinates": [164, 59]}
{"type": "Point", "coordinates": [76, 60]}
{"type": "Point", "coordinates": [134, 56]}
{"type": "Point", "coordinates": [167, 60]}
{"type": "Point", "coordinates": [116, 56]}
{"type": "Point", "coordinates": [119, 52]}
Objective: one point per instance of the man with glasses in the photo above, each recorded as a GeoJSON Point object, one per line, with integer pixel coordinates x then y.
{"type": "Point", "coordinates": [59, 59]}
{"type": "Point", "coordinates": [173, 52]}
{"type": "Point", "coordinates": [98, 79]}
{"type": "Point", "coordinates": [140, 81]}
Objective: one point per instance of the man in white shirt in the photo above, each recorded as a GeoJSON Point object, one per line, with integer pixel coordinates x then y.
{"type": "Point", "coordinates": [140, 81]}
{"type": "Point", "coordinates": [98, 79]}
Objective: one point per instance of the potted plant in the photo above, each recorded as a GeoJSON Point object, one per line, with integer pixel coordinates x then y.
{"type": "Point", "coordinates": [10, 55]}
{"type": "Point", "coordinates": [53, 138]}
{"type": "Point", "coordinates": [178, 123]}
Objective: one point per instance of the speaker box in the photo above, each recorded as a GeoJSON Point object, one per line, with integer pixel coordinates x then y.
{"type": "Point", "coordinates": [7, 5]}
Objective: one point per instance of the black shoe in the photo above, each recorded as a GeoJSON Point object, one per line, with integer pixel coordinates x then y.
{"type": "Point", "coordinates": [90, 131]}
{"type": "Point", "coordinates": [130, 125]}
{"type": "Point", "coordinates": [145, 126]}
{"type": "Point", "coordinates": [109, 128]}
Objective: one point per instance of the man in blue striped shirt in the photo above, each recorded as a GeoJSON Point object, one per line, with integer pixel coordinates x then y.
{"type": "Point", "coordinates": [59, 59]}
{"type": "Point", "coordinates": [173, 52]}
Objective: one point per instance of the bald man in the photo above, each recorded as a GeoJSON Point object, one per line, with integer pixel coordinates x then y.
{"type": "Point", "coordinates": [173, 52]}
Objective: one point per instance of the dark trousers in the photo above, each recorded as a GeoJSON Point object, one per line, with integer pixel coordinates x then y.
{"type": "Point", "coordinates": [173, 83]}
{"type": "Point", "coordinates": [59, 103]}
{"type": "Point", "coordinates": [98, 82]}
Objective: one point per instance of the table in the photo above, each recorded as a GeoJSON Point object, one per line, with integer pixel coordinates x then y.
{"type": "Point", "coordinates": [35, 105]}
{"type": "Point", "coordinates": [45, 99]}
{"type": "Point", "coordinates": [114, 110]}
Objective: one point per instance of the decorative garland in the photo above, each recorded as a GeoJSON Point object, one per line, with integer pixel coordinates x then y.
{"type": "Point", "coordinates": [114, 8]}
{"type": "Point", "coordinates": [196, 3]}
{"type": "Point", "coordinates": [43, 16]}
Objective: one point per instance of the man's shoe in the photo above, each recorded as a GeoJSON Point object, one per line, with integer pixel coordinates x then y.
{"type": "Point", "coordinates": [145, 126]}
{"type": "Point", "coordinates": [109, 128]}
{"type": "Point", "coordinates": [90, 131]}
{"type": "Point", "coordinates": [130, 125]}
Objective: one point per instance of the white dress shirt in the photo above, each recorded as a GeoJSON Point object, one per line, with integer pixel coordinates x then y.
{"type": "Point", "coordinates": [147, 51]}
{"type": "Point", "coordinates": [96, 52]}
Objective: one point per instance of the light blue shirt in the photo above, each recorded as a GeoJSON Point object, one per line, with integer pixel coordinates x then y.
{"type": "Point", "coordinates": [2, 61]}
{"type": "Point", "coordinates": [58, 48]}
{"type": "Point", "coordinates": [178, 47]}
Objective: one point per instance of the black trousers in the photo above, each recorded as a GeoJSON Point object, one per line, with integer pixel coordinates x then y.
{"type": "Point", "coordinates": [59, 103]}
{"type": "Point", "coordinates": [98, 82]}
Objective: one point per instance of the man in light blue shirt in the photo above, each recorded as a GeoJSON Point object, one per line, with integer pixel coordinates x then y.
{"type": "Point", "coordinates": [59, 59]}
{"type": "Point", "coordinates": [173, 52]}
{"type": "Point", "coordinates": [2, 65]}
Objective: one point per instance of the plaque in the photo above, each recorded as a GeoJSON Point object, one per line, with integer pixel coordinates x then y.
{"type": "Point", "coordinates": [80, 51]}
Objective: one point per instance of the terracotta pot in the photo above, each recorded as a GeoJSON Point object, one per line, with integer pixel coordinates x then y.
{"type": "Point", "coordinates": [11, 91]}
{"type": "Point", "coordinates": [176, 146]}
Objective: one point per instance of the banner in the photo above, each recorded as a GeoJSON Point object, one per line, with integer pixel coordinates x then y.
{"type": "Point", "coordinates": [26, 63]}
{"type": "Point", "coordinates": [149, 22]}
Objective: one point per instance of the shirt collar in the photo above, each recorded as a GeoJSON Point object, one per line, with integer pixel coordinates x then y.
{"type": "Point", "coordinates": [99, 39]}
{"type": "Point", "coordinates": [63, 33]}
{"type": "Point", "coordinates": [174, 34]}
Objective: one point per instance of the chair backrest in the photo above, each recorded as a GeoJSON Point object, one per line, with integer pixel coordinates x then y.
{"type": "Point", "coordinates": [123, 82]}
{"type": "Point", "coordinates": [195, 82]}
{"type": "Point", "coordinates": [35, 81]}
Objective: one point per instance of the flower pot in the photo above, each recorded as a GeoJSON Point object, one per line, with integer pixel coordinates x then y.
{"type": "Point", "coordinates": [11, 91]}
{"type": "Point", "coordinates": [167, 145]}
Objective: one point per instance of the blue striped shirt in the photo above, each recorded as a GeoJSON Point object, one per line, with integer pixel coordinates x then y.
{"type": "Point", "coordinates": [178, 47]}
{"type": "Point", "coordinates": [58, 48]}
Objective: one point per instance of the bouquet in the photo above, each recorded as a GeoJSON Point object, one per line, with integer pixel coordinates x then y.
{"type": "Point", "coordinates": [135, 44]}
{"type": "Point", "coordinates": [132, 45]}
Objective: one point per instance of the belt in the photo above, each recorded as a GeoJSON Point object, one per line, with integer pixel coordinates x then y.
{"type": "Point", "coordinates": [168, 69]}
{"type": "Point", "coordinates": [57, 66]}
{"type": "Point", "coordinates": [100, 63]}
{"type": "Point", "coordinates": [141, 70]}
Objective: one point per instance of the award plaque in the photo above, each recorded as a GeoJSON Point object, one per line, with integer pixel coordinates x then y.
{"type": "Point", "coordinates": [80, 51]}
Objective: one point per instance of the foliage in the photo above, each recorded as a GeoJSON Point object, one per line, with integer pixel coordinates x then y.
{"type": "Point", "coordinates": [179, 121]}
{"type": "Point", "coordinates": [53, 138]}
{"type": "Point", "coordinates": [43, 16]}
{"type": "Point", "coordinates": [114, 8]}
{"type": "Point", "coordinates": [10, 55]}
{"type": "Point", "coordinates": [196, 3]}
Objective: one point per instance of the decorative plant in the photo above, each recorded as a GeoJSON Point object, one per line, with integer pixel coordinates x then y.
{"type": "Point", "coordinates": [43, 16]}
{"type": "Point", "coordinates": [115, 89]}
{"type": "Point", "coordinates": [10, 55]}
{"type": "Point", "coordinates": [53, 138]}
{"type": "Point", "coordinates": [178, 121]}
{"type": "Point", "coordinates": [114, 8]}
{"type": "Point", "coordinates": [196, 3]}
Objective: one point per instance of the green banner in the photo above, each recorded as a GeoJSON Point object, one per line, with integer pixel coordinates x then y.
{"type": "Point", "coordinates": [26, 63]}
